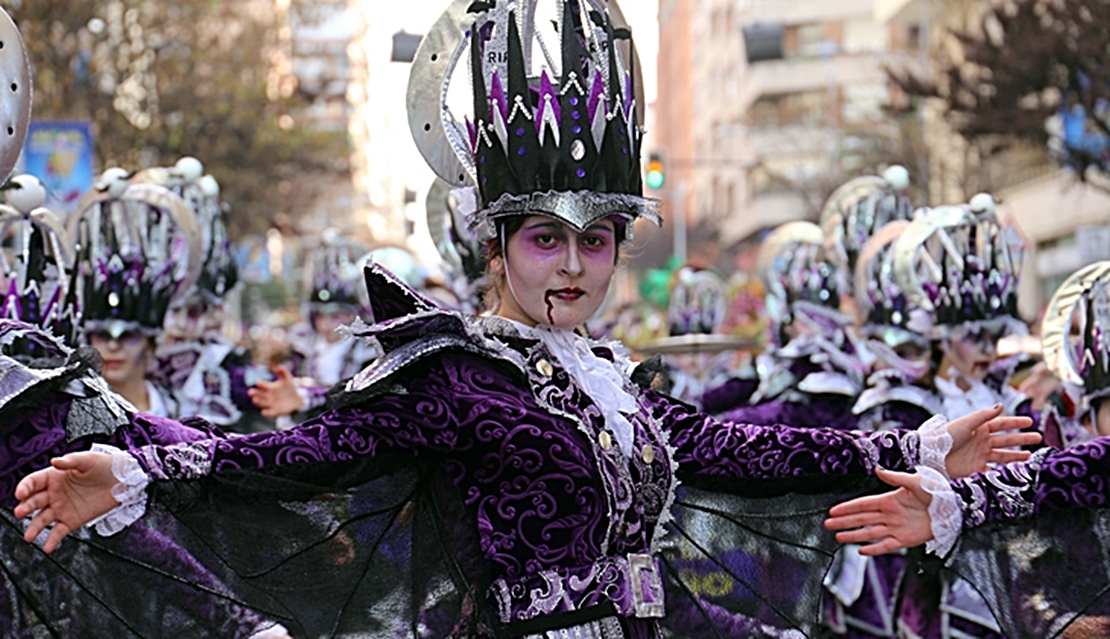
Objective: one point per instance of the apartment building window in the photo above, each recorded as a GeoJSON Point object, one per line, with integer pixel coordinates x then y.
{"type": "Point", "coordinates": [787, 109]}
{"type": "Point", "coordinates": [865, 36]}
{"type": "Point", "coordinates": [863, 103]}
{"type": "Point", "coordinates": [813, 40]}
{"type": "Point", "coordinates": [763, 42]}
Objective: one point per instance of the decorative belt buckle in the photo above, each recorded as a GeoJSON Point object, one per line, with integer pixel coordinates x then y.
{"type": "Point", "coordinates": [647, 587]}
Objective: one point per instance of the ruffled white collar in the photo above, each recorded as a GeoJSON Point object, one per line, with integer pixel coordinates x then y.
{"type": "Point", "coordinates": [596, 376]}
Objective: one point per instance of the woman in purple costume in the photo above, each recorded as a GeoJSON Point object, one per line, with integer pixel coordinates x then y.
{"type": "Point", "coordinates": [503, 476]}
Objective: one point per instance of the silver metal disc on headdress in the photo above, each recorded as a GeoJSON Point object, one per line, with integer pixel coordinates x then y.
{"type": "Point", "coordinates": [884, 237]}
{"type": "Point", "coordinates": [185, 224]}
{"type": "Point", "coordinates": [1061, 355]}
{"type": "Point", "coordinates": [15, 106]}
{"type": "Point", "coordinates": [441, 221]}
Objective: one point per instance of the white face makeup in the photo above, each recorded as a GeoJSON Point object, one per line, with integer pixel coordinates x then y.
{"type": "Point", "coordinates": [555, 275]}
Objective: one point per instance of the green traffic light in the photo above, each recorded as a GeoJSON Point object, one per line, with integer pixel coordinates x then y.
{"type": "Point", "coordinates": [654, 177]}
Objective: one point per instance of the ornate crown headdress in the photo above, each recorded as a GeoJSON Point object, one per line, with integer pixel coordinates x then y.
{"type": "Point", "coordinates": [36, 261]}
{"type": "Point", "coordinates": [794, 270]}
{"type": "Point", "coordinates": [555, 128]}
{"type": "Point", "coordinates": [334, 273]}
{"type": "Point", "coordinates": [138, 249]}
{"type": "Point", "coordinates": [960, 265]}
{"type": "Point", "coordinates": [1075, 333]}
{"type": "Point", "coordinates": [201, 192]}
{"type": "Point", "coordinates": [697, 302]}
{"type": "Point", "coordinates": [858, 208]}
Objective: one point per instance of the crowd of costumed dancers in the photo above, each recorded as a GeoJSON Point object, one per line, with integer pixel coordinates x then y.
{"type": "Point", "coordinates": [469, 460]}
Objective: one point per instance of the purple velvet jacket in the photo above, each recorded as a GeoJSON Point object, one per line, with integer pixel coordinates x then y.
{"type": "Point", "coordinates": [555, 503]}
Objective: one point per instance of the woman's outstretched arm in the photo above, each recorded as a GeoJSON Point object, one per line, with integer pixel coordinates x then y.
{"type": "Point", "coordinates": [707, 446]}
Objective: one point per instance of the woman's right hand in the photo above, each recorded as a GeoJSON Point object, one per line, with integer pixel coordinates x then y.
{"type": "Point", "coordinates": [74, 490]}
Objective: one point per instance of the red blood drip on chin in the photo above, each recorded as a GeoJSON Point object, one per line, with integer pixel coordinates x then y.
{"type": "Point", "coordinates": [550, 307]}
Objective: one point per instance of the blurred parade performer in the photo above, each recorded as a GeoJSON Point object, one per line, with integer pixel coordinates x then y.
{"type": "Point", "coordinates": [502, 476]}
{"type": "Point", "coordinates": [855, 211]}
{"type": "Point", "coordinates": [937, 294]}
{"type": "Point", "coordinates": [815, 367]}
{"type": "Point", "coordinates": [1029, 536]}
{"type": "Point", "coordinates": [47, 596]}
{"type": "Point", "coordinates": [695, 353]}
{"type": "Point", "coordinates": [458, 245]}
{"type": "Point", "coordinates": [207, 374]}
{"type": "Point", "coordinates": [139, 250]}
{"type": "Point", "coordinates": [894, 395]}
{"type": "Point", "coordinates": [327, 354]}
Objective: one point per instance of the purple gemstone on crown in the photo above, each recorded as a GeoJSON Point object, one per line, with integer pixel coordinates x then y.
{"type": "Point", "coordinates": [581, 173]}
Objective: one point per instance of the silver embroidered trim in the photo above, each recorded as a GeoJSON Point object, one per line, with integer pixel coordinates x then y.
{"type": "Point", "coordinates": [579, 209]}
{"type": "Point", "coordinates": [1011, 494]}
{"type": "Point", "coordinates": [604, 628]}
{"type": "Point", "coordinates": [187, 460]}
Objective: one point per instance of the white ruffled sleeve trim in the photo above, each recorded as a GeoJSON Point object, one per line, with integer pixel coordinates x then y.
{"type": "Point", "coordinates": [130, 492]}
{"type": "Point", "coordinates": [945, 512]}
{"type": "Point", "coordinates": [935, 444]}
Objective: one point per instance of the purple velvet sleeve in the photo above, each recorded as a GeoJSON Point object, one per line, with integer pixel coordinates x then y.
{"type": "Point", "coordinates": [1076, 477]}
{"type": "Point", "coordinates": [706, 446]}
{"type": "Point", "coordinates": [422, 418]}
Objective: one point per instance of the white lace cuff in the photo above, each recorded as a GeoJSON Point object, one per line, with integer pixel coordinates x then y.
{"type": "Point", "coordinates": [130, 492]}
{"type": "Point", "coordinates": [935, 444]}
{"type": "Point", "coordinates": [945, 513]}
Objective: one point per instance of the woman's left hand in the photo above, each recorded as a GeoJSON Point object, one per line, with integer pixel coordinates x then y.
{"type": "Point", "coordinates": [887, 522]}
{"type": "Point", "coordinates": [985, 436]}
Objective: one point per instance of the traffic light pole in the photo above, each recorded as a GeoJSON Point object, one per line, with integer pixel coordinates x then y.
{"type": "Point", "coordinates": [678, 196]}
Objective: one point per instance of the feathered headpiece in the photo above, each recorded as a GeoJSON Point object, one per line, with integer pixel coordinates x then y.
{"type": "Point", "coordinates": [959, 265]}
{"type": "Point", "coordinates": [1075, 332]}
{"type": "Point", "coordinates": [36, 261]}
{"type": "Point", "coordinates": [554, 128]}
{"type": "Point", "coordinates": [858, 208]}
{"type": "Point", "coordinates": [138, 249]}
